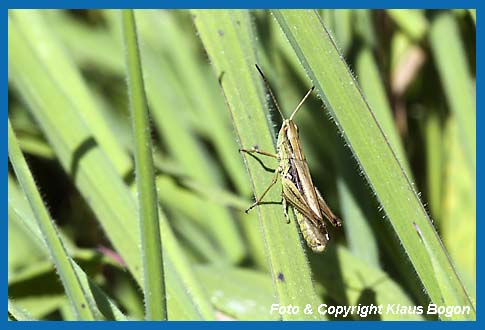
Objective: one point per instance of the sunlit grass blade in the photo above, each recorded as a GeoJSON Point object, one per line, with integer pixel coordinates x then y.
{"type": "Point", "coordinates": [21, 213]}
{"type": "Point", "coordinates": [435, 163]}
{"type": "Point", "coordinates": [364, 135]}
{"type": "Point", "coordinates": [202, 91]}
{"type": "Point", "coordinates": [229, 41]}
{"type": "Point", "coordinates": [153, 272]}
{"type": "Point", "coordinates": [412, 21]}
{"type": "Point", "coordinates": [17, 313]}
{"type": "Point", "coordinates": [57, 251]}
{"type": "Point", "coordinates": [71, 83]}
{"type": "Point", "coordinates": [353, 281]}
{"type": "Point", "coordinates": [167, 102]}
{"type": "Point", "coordinates": [251, 300]}
{"type": "Point", "coordinates": [95, 176]}
{"type": "Point", "coordinates": [459, 216]}
{"type": "Point", "coordinates": [449, 54]}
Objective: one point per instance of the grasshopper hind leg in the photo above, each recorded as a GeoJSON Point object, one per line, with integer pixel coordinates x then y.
{"type": "Point", "coordinates": [285, 209]}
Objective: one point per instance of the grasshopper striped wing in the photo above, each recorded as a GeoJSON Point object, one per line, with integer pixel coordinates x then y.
{"type": "Point", "coordinates": [326, 211]}
{"type": "Point", "coordinates": [323, 209]}
{"type": "Point", "coordinates": [300, 168]}
{"type": "Point", "coordinates": [293, 196]}
{"type": "Point", "coordinates": [312, 227]}
{"type": "Point", "coordinates": [303, 179]}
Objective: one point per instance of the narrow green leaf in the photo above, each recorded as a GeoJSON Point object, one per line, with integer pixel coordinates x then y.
{"type": "Point", "coordinates": [375, 93]}
{"type": "Point", "coordinates": [35, 146]}
{"type": "Point", "coordinates": [361, 239]}
{"type": "Point", "coordinates": [412, 21]}
{"type": "Point", "coordinates": [459, 207]}
{"type": "Point", "coordinates": [57, 251]}
{"type": "Point", "coordinates": [229, 41]}
{"type": "Point", "coordinates": [18, 312]}
{"type": "Point", "coordinates": [20, 213]}
{"type": "Point", "coordinates": [352, 281]}
{"type": "Point", "coordinates": [70, 82]}
{"type": "Point", "coordinates": [181, 49]}
{"type": "Point", "coordinates": [343, 28]}
{"type": "Point", "coordinates": [448, 295]}
{"type": "Point", "coordinates": [434, 162]}
{"type": "Point", "coordinates": [364, 27]}
{"type": "Point", "coordinates": [364, 135]}
{"type": "Point", "coordinates": [169, 109]}
{"type": "Point", "coordinates": [49, 297]}
{"type": "Point", "coordinates": [449, 54]}
{"type": "Point", "coordinates": [250, 300]}
{"type": "Point", "coordinates": [87, 45]}
{"type": "Point", "coordinates": [96, 178]}
{"type": "Point", "coordinates": [153, 273]}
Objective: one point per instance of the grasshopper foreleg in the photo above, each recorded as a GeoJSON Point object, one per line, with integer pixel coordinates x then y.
{"type": "Point", "coordinates": [255, 150]}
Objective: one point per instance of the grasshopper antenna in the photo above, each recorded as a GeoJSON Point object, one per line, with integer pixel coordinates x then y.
{"type": "Point", "coordinates": [270, 91]}
{"type": "Point", "coordinates": [301, 102]}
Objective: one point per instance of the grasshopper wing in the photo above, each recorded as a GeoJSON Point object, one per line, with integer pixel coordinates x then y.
{"type": "Point", "coordinates": [327, 213]}
{"type": "Point", "coordinates": [295, 198]}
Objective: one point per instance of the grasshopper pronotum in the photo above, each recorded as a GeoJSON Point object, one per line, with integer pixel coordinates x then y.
{"type": "Point", "coordinates": [298, 189]}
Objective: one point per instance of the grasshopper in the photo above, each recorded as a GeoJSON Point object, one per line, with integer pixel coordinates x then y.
{"type": "Point", "coordinates": [298, 189]}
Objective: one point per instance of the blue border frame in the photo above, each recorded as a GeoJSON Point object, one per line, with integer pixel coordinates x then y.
{"type": "Point", "coordinates": [6, 4]}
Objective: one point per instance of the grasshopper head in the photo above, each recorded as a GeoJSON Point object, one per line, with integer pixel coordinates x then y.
{"type": "Point", "coordinates": [290, 129]}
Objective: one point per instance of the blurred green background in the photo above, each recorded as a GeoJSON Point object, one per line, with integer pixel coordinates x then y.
{"type": "Point", "coordinates": [416, 69]}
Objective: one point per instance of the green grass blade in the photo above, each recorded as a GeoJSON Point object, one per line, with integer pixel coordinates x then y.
{"type": "Point", "coordinates": [343, 28]}
{"type": "Point", "coordinates": [21, 214]}
{"type": "Point", "coordinates": [178, 136]}
{"type": "Point", "coordinates": [250, 300]}
{"type": "Point", "coordinates": [71, 83]}
{"type": "Point", "coordinates": [449, 54]}
{"type": "Point", "coordinates": [182, 50]}
{"type": "Point", "coordinates": [58, 253]}
{"type": "Point", "coordinates": [374, 91]}
{"type": "Point", "coordinates": [87, 45]}
{"type": "Point", "coordinates": [364, 26]}
{"type": "Point", "coordinates": [360, 237]}
{"type": "Point", "coordinates": [66, 133]}
{"type": "Point", "coordinates": [167, 104]}
{"type": "Point", "coordinates": [41, 275]}
{"type": "Point", "coordinates": [459, 217]}
{"type": "Point", "coordinates": [230, 44]}
{"type": "Point", "coordinates": [191, 80]}
{"type": "Point", "coordinates": [363, 133]}
{"type": "Point", "coordinates": [153, 273]}
{"type": "Point", "coordinates": [352, 281]}
{"type": "Point", "coordinates": [434, 157]}
{"type": "Point", "coordinates": [95, 176]}
{"type": "Point", "coordinates": [362, 241]}
{"type": "Point", "coordinates": [412, 21]}
{"type": "Point", "coordinates": [18, 313]}
{"type": "Point", "coordinates": [448, 295]}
